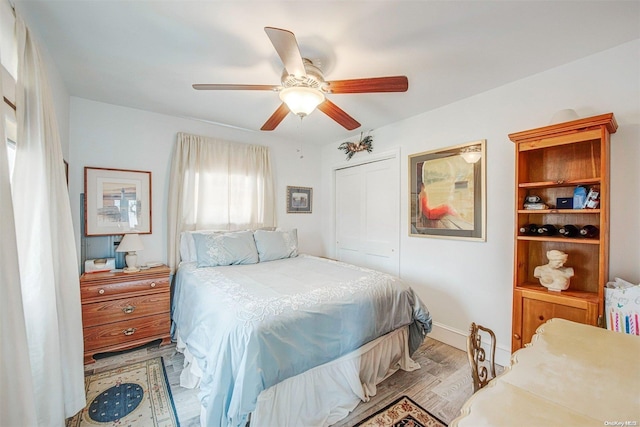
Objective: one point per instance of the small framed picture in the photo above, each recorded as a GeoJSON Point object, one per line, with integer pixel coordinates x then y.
{"type": "Point", "coordinates": [116, 201]}
{"type": "Point", "coordinates": [299, 199]}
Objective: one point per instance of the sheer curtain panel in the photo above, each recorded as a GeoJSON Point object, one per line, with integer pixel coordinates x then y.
{"type": "Point", "coordinates": [17, 402]}
{"type": "Point", "coordinates": [218, 185]}
{"type": "Point", "coordinates": [45, 246]}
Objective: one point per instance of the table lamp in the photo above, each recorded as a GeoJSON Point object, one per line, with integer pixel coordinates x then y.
{"type": "Point", "coordinates": [130, 243]}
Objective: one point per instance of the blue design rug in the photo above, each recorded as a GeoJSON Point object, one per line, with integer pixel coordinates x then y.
{"type": "Point", "coordinates": [136, 395]}
{"type": "Point", "coordinates": [404, 412]}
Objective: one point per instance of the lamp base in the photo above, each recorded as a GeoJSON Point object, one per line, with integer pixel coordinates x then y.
{"type": "Point", "coordinates": [132, 262]}
{"type": "Point", "coordinates": [130, 270]}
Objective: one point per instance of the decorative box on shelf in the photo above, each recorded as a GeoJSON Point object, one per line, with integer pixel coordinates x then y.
{"type": "Point", "coordinates": [99, 265]}
{"type": "Point", "coordinates": [564, 202]}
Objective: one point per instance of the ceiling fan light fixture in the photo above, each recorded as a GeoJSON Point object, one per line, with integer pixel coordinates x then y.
{"type": "Point", "coordinates": [301, 100]}
{"type": "Point", "coordinates": [303, 87]}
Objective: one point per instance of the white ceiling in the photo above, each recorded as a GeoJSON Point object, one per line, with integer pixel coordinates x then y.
{"type": "Point", "coordinates": [146, 54]}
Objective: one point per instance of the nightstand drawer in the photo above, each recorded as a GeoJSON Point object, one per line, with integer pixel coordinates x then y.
{"type": "Point", "coordinates": [127, 331]}
{"type": "Point", "coordinates": [101, 291]}
{"type": "Point", "coordinates": [124, 309]}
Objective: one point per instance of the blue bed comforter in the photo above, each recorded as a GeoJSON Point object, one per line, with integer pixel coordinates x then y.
{"type": "Point", "coordinates": [252, 326]}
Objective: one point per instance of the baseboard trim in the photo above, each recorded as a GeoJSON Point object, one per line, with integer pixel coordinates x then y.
{"type": "Point", "coordinates": [458, 339]}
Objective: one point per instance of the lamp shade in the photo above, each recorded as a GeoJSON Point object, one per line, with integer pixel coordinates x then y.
{"type": "Point", "coordinates": [471, 154]}
{"type": "Point", "coordinates": [130, 243]}
{"type": "Point", "coordinates": [301, 100]}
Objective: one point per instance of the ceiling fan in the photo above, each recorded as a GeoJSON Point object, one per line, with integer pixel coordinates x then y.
{"type": "Point", "coordinates": [304, 88]}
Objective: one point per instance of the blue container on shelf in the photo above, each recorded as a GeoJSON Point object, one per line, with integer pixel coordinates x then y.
{"type": "Point", "coordinates": [579, 197]}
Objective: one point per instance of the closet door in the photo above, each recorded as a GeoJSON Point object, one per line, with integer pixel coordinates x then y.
{"type": "Point", "coordinates": [368, 215]}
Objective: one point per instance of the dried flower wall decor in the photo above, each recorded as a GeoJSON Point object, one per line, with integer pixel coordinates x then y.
{"type": "Point", "coordinates": [350, 148]}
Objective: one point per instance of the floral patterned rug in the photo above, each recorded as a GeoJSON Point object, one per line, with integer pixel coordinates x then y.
{"type": "Point", "coordinates": [404, 412]}
{"type": "Point", "coordinates": [136, 395]}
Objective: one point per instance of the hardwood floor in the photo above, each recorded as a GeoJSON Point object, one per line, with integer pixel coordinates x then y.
{"type": "Point", "coordinates": [441, 385]}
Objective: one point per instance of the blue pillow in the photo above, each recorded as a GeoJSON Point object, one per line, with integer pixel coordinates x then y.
{"type": "Point", "coordinates": [213, 250]}
{"type": "Point", "coordinates": [277, 244]}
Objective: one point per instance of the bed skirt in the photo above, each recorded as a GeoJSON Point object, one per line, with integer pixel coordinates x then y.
{"type": "Point", "coordinates": [327, 393]}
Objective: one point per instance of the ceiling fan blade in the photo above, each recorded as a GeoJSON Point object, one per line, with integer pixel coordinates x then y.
{"type": "Point", "coordinates": [374, 84]}
{"type": "Point", "coordinates": [234, 87]}
{"type": "Point", "coordinates": [337, 114]}
{"type": "Point", "coordinates": [287, 47]}
{"type": "Point", "coordinates": [276, 117]}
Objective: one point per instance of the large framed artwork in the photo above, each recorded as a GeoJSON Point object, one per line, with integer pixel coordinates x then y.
{"type": "Point", "coordinates": [448, 191]}
{"type": "Point", "coordinates": [299, 199]}
{"type": "Point", "coordinates": [116, 201]}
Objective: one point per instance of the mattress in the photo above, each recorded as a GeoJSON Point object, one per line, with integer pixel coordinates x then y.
{"type": "Point", "coordinates": [249, 327]}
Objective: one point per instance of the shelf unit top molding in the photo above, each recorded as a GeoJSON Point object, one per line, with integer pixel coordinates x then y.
{"type": "Point", "coordinates": [608, 120]}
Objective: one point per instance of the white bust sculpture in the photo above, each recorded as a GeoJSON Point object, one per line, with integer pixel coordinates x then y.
{"type": "Point", "coordinates": [553, 275]}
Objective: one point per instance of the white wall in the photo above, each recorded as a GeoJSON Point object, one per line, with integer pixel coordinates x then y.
{"type": "Point", "coordinates": [462, 281]}
{"type": "Point", "coordinates": [105, 135]}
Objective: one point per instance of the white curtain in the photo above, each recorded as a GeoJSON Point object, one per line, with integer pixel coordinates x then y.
{"type": "Point", "coordinates": [46, 247]}
{"type": "Point", "coordinates": [17, 403]}
{"type": "Point", "coordinates": [218, 185]}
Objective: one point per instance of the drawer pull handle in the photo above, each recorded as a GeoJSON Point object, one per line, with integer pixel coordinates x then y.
{"type": "Point", "coordinates": [129, 331]}
{"type": "Point", "coordinates": [128, 309]}
{"type": "Point", "coordinates": [516, 336]}
{"type": "Point", "coordinates": [101, 291]}
{"type": "Point", "coordinates": [153, 284]}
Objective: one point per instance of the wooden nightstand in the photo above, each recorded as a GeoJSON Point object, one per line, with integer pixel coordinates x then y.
{"type": "Point", "coordinates": [124, 310]}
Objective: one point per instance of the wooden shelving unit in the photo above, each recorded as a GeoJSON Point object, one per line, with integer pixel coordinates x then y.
{"type": "Point", "coordinates": [550, 162]}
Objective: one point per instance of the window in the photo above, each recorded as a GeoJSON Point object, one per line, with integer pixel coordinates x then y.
{"type": "Point", "coordinates": [218, 185]}
{"type": "Point", "coordinates": [9, 71]}
{"type": "Point", "coordinates": [10, 129]}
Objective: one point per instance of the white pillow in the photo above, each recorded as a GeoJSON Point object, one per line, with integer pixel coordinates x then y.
{"type": "Point", "coordinates": [214, 250]}
{"type": "Point", "coordinates": [188, 246]}
{"type": "Point", "coordinates": [277, 244]}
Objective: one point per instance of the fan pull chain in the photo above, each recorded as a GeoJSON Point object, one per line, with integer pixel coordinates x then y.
{"type": "Point", "coordinates": [299, 150]}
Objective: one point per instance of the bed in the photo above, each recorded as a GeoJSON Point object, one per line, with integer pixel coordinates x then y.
{"type": "Point", "coordinates": [286, 339]}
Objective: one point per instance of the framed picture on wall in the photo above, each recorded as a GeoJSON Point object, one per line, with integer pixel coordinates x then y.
{"type": "Point", "coordinates": [116, 201]}
{"type": "Point", "coordinates": [299, 199]}
{"type": "Point", "coordinates": [447, 192]}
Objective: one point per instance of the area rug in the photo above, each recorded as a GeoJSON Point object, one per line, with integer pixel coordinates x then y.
{"type": "Point", "coordinates": [136, 395]}
{"type": "Point", "coordinates": [404, 412]}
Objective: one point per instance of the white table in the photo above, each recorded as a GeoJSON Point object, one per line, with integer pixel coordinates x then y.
{"type": "Point", "coordinates": [571, 375]}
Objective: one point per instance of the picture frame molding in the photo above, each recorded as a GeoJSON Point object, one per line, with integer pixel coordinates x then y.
{"type": "Point", "coordinates": [480, 206]}
{"type": "Point", "coordinates": [291, 208]}
{"type": "Point", "coordinates": [141, 179]}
